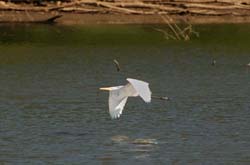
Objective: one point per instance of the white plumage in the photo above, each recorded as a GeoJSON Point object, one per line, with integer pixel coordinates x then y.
{"type": "Point", "coordinates": [118, 95]}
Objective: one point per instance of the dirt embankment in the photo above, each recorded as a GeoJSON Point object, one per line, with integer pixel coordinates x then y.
{"type": "Point", "coordinates": [127, 11]}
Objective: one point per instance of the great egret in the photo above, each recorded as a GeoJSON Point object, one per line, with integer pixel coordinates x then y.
{"type": "Point", "coordinates": [118, 95]}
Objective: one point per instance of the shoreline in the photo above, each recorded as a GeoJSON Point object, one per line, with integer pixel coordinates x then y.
{"type": "Point", "coordinates": [78, 12]}
{"type": "Point", "coordinates": [73, 19]}
{"type": "Point", "coordinates": [86, 18]}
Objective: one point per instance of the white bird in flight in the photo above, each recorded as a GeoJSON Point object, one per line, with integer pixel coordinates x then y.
{"type": "Point", "coordinates": [118, 95]}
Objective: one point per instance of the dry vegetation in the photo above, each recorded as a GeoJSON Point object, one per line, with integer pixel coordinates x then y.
{"type": "Point", "coordinates": [145, 7]}
{"type": "Point", "coordinates": [175, 31]}
{"type": "Point", "coordinates": [47, 11]}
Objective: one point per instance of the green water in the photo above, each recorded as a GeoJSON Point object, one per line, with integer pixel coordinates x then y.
{"type": "Point", "coordinates": [119, 34]}
{"type": "Point", "coordinates": [52, 112]}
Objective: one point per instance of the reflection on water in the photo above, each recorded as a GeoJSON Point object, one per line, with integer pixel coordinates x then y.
{"type": "Point", "coordinates": [145, 141]}
{"type": "Point", "coordinates": [52, 112]}
{"type": "Point", "coordinates": [140, 148]}
{"type": "Point", "coordinates": [120, 139]}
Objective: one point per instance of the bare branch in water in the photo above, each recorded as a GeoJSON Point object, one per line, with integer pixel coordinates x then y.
{"type": "Point", "coordinates": [117, 65]}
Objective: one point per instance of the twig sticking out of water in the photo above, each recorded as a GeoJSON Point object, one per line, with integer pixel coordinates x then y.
{"type": "Point", "coordinates": [166, 34]}
{"type": "Point", "coordinates": [117, 65]}
{"type": "Point", "coordinates": [213, 62]}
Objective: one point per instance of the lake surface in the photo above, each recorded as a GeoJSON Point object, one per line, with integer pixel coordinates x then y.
{"type": "Point", "coordinates": [52, 111]}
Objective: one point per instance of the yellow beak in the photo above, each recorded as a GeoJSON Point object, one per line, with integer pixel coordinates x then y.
{"type": "Point", "coordinates": [105, 89]}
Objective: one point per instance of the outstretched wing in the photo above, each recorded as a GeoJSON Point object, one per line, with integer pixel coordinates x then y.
{"type": "Point", "coordinates": [116, 107]}
{"type": "Point", "coordinates": [141, 88]}
{"type": "Point", "coordinates": [117, 101]}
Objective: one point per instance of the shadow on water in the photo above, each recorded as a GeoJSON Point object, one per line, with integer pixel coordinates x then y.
{"type": "Point", "coordinates": [52, 111]}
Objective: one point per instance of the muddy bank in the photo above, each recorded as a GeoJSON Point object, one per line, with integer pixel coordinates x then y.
{"type": "Point", "coordinates": [127, 12]}
{"type": "Point", "coordinates": [76, 18]}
